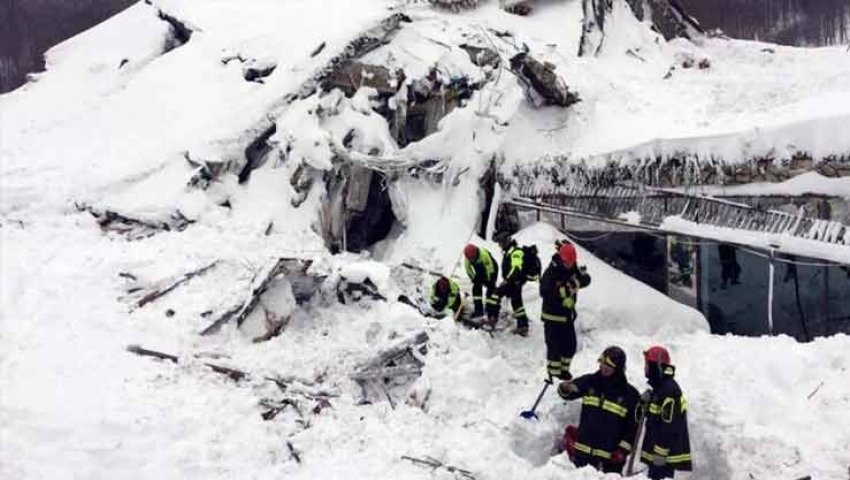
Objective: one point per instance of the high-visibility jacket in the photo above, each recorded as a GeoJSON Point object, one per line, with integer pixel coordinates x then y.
{"type": "Point", "coordinates": [483, 269]}
{"type": "Point", "coordinates": [667, 424]}
{"type": "Point", "coordinates": [512, 264]}
{"type": "Point", "coordinates": [450, 299]}
{"type": "Point", "coordinates": [559, 290]}
{"type": "Point", "coordinates": [608, 415]}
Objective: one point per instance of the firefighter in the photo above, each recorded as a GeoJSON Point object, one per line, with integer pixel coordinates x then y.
{"type": "Point", "coordinates": [608, 420]}
{"type": "Point", "coordinates": [445, 295]}
{"type": "Point", "coordinates": [514, 276]}
{"type": "Point", "coordinates": [558, 290]}
{"type": "Point", "coordinates": [483, 272]}
{"type": "Point", "coordinates": [666, 446]}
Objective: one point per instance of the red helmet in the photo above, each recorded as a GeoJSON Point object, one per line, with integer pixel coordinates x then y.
{"type": "Point", "coordinates": [470, 252]}
{"type": "Point", "coordinates": [658, 355]}
{"type": "Point", "coordinates": [568, 255]}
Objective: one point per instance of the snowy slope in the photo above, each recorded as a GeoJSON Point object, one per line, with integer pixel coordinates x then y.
{"type": "Point", "coordinates": [75, 404]}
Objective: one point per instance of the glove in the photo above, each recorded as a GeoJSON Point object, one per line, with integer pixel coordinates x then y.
{"type": "Point", "coordinates": [618, 456]}
{"type": "Point", "coordinates": [646, 396]}
{"type": "Point", "coordinates": [566, 388]}
{"type": "Point", "coordinates": [659, 461]}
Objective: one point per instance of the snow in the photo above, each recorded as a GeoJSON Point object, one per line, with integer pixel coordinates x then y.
{"type": "Point", "coordinates": [809, 183]}
{"type": "Point", "coordinates": [781, 243]}
{"type": "Point", "coordinates": [75, 403]}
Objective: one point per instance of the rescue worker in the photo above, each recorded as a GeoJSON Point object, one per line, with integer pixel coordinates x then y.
{"type": "Point", "coordinates": [483, 272]}
{"type": "Point", "coordinates": [608, 421]}
{"type": "Point", "coordinates": [513, 278]}
{"type": "Point", "coordinates": [558, 290]}
{"type": "Point", "coordinates": [445, 295]}
{"type": "Point", "coordinates": [666, 445]}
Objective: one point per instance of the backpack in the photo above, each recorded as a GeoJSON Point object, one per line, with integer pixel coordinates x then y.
{"type": "Point", "coordinates": [531, 267]}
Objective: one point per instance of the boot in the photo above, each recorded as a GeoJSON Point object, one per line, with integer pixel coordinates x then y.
{"type": "Point", "coordinates": [521, 331]}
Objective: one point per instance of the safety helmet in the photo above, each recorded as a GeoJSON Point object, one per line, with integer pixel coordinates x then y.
{"type": "Point", "coordinates": [470, 252]}
{"type": "Point", "coordinates": [443, 285]}
{"type": "Point", "coordinates": [567, 252]}
{"type": "Point", "coordinates": [658, 355]}
{"type": "Point", "coordinates": [614, 357]}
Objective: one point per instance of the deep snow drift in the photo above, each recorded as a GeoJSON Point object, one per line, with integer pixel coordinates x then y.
{"type": "Point", "coordinates": [101, 131]}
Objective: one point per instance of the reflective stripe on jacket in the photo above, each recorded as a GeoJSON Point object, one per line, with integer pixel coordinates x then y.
{"type": "Point", "coordinates": [483, 269]}
{"type": "Point", "coordinates": [558, 290]}
{"type": "Point", "coordinates": [608, 419]}
{"type": "Point", "coordinates": [667, 425]}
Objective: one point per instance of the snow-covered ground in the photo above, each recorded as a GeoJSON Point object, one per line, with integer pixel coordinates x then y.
{"type": "Point", "coordinates": [75, 404]}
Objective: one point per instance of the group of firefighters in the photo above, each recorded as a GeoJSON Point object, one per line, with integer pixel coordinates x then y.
{"type": "Point", "coordinates": [612, 412]}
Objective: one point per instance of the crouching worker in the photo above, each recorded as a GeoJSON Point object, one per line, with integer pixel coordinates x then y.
{"type": "Point", "coordinates": [445, 298]}
{"type": "Point", "coordinates": [608, 419]}
{"type": "Point", "coordinates": [666, 445]}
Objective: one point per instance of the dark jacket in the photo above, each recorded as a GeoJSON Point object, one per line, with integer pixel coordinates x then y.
{"type": "Point", "coordinates": [483, 269]}
{"type": "Point", "coordinates": [667, 423]}
{"type": "Point", "coordinates": [608, 414]}
{"type": "Point", "coordinates": [559, 290]}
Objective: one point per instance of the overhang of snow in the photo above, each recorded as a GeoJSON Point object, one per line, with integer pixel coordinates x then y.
{"type": "Point", "coordinates": [780, 243]}
{"type": "Point", "coordinates": [810, 183]}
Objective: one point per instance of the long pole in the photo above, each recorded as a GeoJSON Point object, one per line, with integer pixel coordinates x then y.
{"type": "Point", "coordinates": [770, 269]}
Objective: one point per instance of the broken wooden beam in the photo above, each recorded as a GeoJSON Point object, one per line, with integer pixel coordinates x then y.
{"type": "Point", "coordinates": [386, 357]}
{"type": "Point", "coordinates": [387, 372]}
{"type": "Point", "coordinates": [282, 266]}
{"type": "Point", "coordinates": [135, 228]}
{"type": "Point", "coordinates": [433, 463]}
{"type": "Point", "coordinates": [235, 374]}
{"type": "Point", "coordinates": [151, 353]}
{"type": "Point", "coordinates": [162, 288]}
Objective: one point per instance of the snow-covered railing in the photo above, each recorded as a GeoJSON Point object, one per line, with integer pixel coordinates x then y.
{"type": "Point", "coordinates": [654, 205]}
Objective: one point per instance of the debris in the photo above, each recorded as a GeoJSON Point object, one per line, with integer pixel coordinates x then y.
{"type": "Point", "coordinates": [284, 383]}
{"type": "Point", "coordinates": [318, 49]}
{"type": "Point", "coordinates": [135, 228]}
{"type": "Point", "coordinates": [543, 80]}
{"type": "Point", "coordinates": [482, 56]}
{"type": "Point", "coordinates": [161, 288]}
{"type": "Point", "coordinates": [454, 5]}
{"type": "Point", "coordinates": [395, 367]}
{"type": "Point", "coordinates": [277, 406]}
{"type": "Point", "coordinates": [128, 276]}
{"type": "Point", "coordinates": [181, 32]}
{"type": "Point", "coordinates": [151, 353]}
{"type": "Point", "coordinates": [634, 54]}
{"type": "Point", "coordinates": [435, 464]}
{"type": "Point", "coordinates": [293, 452]}
{"type": "Point", "coordinates": [355, 75]}
{"type": "Point", "coordinates": [704, 64]}
{"type": "Point", "coordinates": [668, 18]}
{"type": "Point", "coordinates": [517, 7]}
{"type": "Point", "coordinates": [304, 286]}
{"type": "Point", "coordinates": [257, 151]}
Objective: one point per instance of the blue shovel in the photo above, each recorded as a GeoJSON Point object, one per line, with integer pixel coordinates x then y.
{"type": "Point", "coordinates": [529, 414]}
